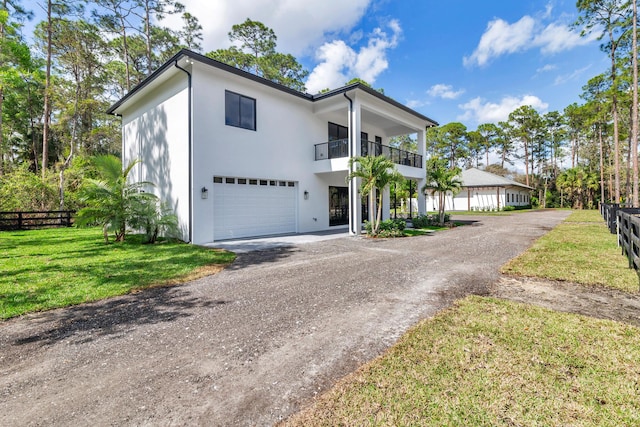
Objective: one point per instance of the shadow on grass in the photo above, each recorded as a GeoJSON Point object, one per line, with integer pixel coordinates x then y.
{"type": "Point", "coordinates": [116, 316]}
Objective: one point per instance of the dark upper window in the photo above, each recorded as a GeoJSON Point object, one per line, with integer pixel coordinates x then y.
{"type": "Point", "coordinates": [337, 132]}
{"type": "Point", "coordinates": [240, 110]}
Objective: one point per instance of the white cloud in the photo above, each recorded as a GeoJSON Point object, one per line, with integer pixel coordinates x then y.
{"type": "Point", "coordinates": [416, 103]}
{"type": "Point", "coordinates": [299, 25]}
{"type": "Point", "coordinates": [444, 91]}
{"type": "Point", "coordinates": [546, 68]}
{"type": "Point", "coordinates": [572, 76]}
{"type": "Point", "coordinates": [338, 62]}
{"type": "Point", "coordinates": [335, 58]}
{"type": "Point", "coordinates": [501, 38]}
{"type": "Point", "coordinates": [482, 111]}
{"type": "Point", "coordinates": [556, 38]}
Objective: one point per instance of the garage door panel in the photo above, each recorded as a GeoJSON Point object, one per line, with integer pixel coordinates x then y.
{"type": "Point", "coordinates": [242, 210]}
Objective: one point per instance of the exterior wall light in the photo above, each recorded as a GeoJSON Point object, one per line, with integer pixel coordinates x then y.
{"type": "Point", "coordinates": [306, 195]}
{"type": "Point", "coordinates": [204, 193]}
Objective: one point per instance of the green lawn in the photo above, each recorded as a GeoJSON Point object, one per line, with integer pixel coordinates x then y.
{"type": "Point", "coordinates": [579, 250]}
{"type": "Point", "coordinates": [487, 362]}
{"type": "Point", "coordinates": [44, 269]}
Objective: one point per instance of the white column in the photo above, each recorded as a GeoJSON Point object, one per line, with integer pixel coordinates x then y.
{"type": "Point", "coordinates": [422, 149]}
{"type": "Point", "coordinates": [386, 203]}
{"type": "Point", "coordinates": [355, 208]}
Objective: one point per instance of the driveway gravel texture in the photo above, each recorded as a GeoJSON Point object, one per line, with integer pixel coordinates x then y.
{"type": "Point", "coordinates": [254, 343]}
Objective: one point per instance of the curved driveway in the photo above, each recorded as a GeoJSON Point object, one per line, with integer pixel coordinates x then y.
{"type": "Point", "coordinates": [252, 344]}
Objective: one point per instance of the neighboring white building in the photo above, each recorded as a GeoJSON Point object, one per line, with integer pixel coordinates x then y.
{"type": "Point", "coordinates": [240, 156]}
{"type": "Point", "coordinates": [484, 191]}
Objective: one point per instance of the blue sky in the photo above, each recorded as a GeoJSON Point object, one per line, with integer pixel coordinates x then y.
{"type": "Point", "coordinates": [459, 60]}
{"type": "Point", "coordinates": [462, 60]}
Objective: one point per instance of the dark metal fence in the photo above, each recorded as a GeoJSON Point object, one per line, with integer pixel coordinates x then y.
{"type": "Point", "coordinates": [626, 223]}
{"type": "Point", "coordinates": [609, 212]}
{"type": "Point", "coordinates": [629, 238]}
{"type": "Point", "coordinates": [35, 219]}
{"type": "Point", "coordinates": [340, 148]}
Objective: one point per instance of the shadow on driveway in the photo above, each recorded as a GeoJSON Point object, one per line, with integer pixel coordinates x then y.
{"type": "Point", "coordinates": [116, 316]}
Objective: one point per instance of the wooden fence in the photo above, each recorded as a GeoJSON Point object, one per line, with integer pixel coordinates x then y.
{"type": "Point", "coordinates": [609, 212]}
{"type": "Point", "coordinates": [30, 220]}
{"type": "Point", "coordinates": [629, 238]}
{"type": "Point", "coordinates": [626, 223]}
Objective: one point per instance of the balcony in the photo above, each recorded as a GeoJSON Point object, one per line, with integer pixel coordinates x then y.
{"type": "Point", "coordinates": [340, 148]}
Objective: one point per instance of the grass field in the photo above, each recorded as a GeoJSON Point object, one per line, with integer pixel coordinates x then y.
{"type": "Point", "coordinates": [44, 269]}
{"type": "Point", "coordinates": [488, 362]}
{"type": "Point", "coordinates": [579, 250]}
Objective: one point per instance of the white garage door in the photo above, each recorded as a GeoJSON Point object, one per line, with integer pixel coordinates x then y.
{"type": "Point", "coordinates": [244, 207]}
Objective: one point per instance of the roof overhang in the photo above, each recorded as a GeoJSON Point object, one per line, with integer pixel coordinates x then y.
{"type": "Point", "coordinates": [185, 57]}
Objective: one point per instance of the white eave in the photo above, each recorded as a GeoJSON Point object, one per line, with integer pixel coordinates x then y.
{"type": "Point", "coordinates": [168, 69]}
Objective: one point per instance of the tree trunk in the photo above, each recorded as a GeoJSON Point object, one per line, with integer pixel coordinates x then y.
{"type": "Point", "coordinates": [601, 164]}
{"type": "Point", "coordinates": [125, 52]}
{"type": "Point", "coordinates": [616, 131]}
{"type": "Point", "coordinates": [67, 161]}
{"type": "Point", "coordinates": [379, 215]}
{"type": "Point", "coordinates": [47, 97]}
{"type": "Point", "coordinates": [1, 141]}
{"type": "Point", "coordinates": [32, 127]}
{"type": "Point", "coordinates": [2, 33]}
{"type": "Point", "coordinates": [629, 173]}
{"type": "Point", "coordinates": [610, 187]}
{"type": "Point", "coordinates": [634, 118]}
{"type": "Point", "coordinates": [526, 161]}
{"type": "Point", "coordinates": [147, 24]}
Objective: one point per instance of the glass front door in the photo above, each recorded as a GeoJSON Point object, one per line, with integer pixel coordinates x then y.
{"type": "Point", "coordinates": [338, 205]}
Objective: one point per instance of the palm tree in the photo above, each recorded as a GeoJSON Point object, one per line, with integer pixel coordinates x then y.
{"type": "Point", "coordinates": [441, 180]}
{"type": "Point", "coordinates": [376, 172]}
{"type": "Point", "coordinates": [573, 181]}
{"type": "Point", "coordinates": [592, 184]}
{"type": "Point", "coordinates": [112, 201]}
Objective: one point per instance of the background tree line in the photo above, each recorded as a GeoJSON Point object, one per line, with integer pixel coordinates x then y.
{"type": "Point", "coordinates": [577, 157]}
{"type": "Point", "coordinates": [85, 55]}
{"type": "Point", "coordinates": [54, 92]}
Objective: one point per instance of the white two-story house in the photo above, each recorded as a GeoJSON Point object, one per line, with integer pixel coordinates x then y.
{"type": "Point", "coordinates": [238, 156]}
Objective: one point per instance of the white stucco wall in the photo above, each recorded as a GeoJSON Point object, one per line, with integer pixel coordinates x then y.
{"type": "Point", "coordinates": [156, 125]}
{"type": "Point", "coordinates": [280, 148]}
{"type": "Point", "coordinates": [481, 199]}
{"type": "Point", "coordinates": [155, 130]}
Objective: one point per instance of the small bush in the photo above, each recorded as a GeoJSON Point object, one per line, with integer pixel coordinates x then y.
{"type": "Point", "coordinates": [509, 208]}
{"type": "Point", "coordinates": [422, 221]}
{"type": "Point", "coordinates": [388, 228]}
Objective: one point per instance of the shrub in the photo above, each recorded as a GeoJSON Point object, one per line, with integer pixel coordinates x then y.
{"type": "Point", "coordinates": [509, 208]}
{"type": "Point", "coordinates": [155, 218]}
{"type": "Point", "coordinates": [387, 228]}
{"type": "Point", "coordinates": [23, 190]}
{"type": "Point", "coordinates": [422, 221]}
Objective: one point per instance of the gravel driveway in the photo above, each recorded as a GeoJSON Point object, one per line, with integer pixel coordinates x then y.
{"type": "Point", "coordinates": [251, 345]}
